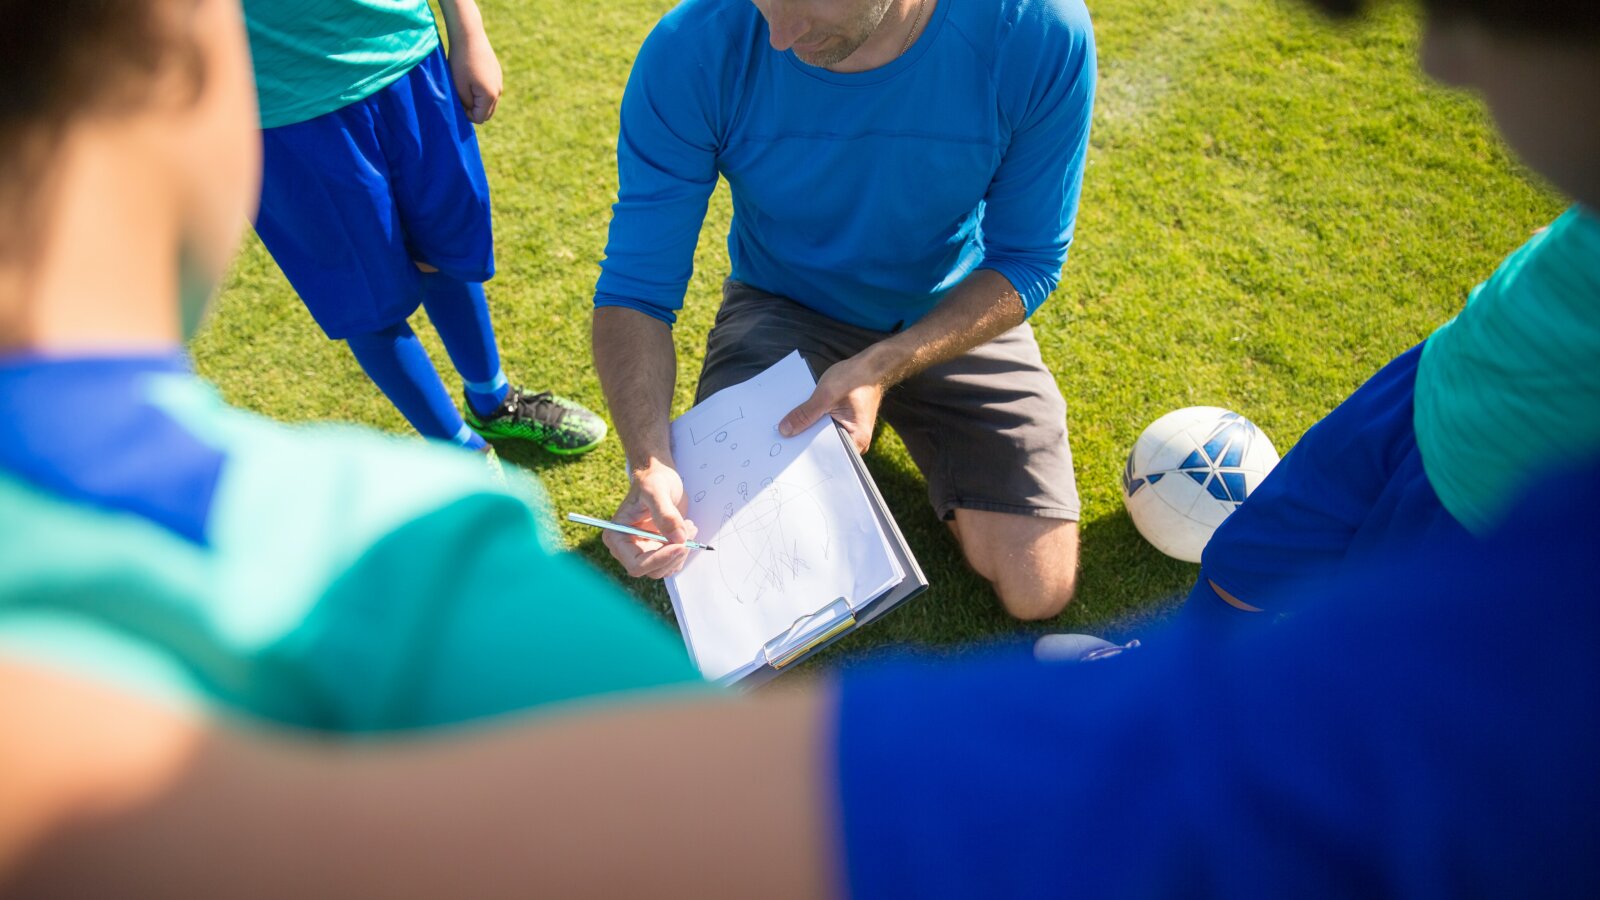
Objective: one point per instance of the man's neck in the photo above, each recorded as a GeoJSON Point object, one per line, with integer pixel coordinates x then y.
{"type": "Point", "coordinates": [905, 19]}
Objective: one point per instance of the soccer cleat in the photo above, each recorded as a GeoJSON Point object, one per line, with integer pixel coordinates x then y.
{"type": "Point", "coordinates": [554, 423]}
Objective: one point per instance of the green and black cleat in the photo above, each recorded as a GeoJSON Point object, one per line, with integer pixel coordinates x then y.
{"type": "Point", "coordinates": [556, 424]}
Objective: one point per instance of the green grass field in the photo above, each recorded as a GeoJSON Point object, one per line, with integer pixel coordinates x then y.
{"type": "Point", "coordinates": [1273, 208]}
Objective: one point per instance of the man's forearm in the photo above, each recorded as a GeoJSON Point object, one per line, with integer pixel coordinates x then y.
{"type": "Point", "coordinates": [638, 369]}
{"type": "Point", "coordinates": [978, 310]}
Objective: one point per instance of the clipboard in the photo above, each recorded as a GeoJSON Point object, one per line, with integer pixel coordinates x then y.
{"type": "Point", "coordinates": [809, 551]}
{"type": "Point", "coordinates": [812, 634]}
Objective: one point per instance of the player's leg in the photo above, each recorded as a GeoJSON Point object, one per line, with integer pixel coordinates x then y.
{"type": "Point", "coordinates": [1354, 484]}
{"type": "Point", "coordinates": [398, 364]}
{"type": "Point", "coordinates": [989, 432]}
{"type": "Point", "coordinates": [495, 408]}
{"type": "Point", "coordinates": [328, 218]}
{"type": "Point", "coordinates": [460, 313]}
{"type": "Point", "coordinates": [1031, 561]}
{"type": "Point", "coordinates": [442, 194]}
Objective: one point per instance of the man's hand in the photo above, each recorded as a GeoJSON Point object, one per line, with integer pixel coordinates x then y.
{"type": "Point", "coordinates": [655, 502]}
{"type": "Point", "coordinates": [850, 392]}
{"type": "Point", "coordinates": [476, 71]}
{"type": "Point", "coordinates": [979, 309]}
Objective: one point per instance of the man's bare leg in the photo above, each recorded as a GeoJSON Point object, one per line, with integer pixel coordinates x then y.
{"type": "Point", "coordinates": [1031, 561]}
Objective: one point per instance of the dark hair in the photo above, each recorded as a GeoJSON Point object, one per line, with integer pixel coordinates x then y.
{"type": "Point", "coordinates": [63, 59]}
{"type": "Point", "coordinates": [60, 57]}
{"type": "Point", "coordinates": [1552, 18]}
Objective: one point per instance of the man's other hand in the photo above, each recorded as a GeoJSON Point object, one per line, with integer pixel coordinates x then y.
{"type": "Point", "coordinates": [850, 393]}
{"type": "Point", "coordinates": [655, 502]}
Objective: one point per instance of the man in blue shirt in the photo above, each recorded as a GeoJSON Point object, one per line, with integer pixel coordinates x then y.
{"type": "Point", "coordinates": [905, 178]}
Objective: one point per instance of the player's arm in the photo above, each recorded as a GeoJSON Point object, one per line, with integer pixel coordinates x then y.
{"type": "Point", "coordinates": [637, 365]}
{"type": "Point", "coordinates": [979, 309]}
{"type": "Point", "coordinates": [109, 796]}
{"type": "Point", "coordinates": [1029, 212]}
{"type": "Point", "coordinates": [666, 169]}
{"type": "Point", "coordinates": [473, 64]}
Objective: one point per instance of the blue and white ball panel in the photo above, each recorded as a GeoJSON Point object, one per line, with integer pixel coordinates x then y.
{"type": "Point", "coordinates": [1188, 472]}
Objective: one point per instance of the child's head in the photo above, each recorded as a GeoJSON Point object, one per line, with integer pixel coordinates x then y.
{"type": "Point", "coordinates": [127, 129]}
{"type": "Point", "coordinates": [1536, 64]}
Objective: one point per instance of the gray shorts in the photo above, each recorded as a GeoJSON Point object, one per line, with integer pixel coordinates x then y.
{"type": "Point", "coordinates": [988, 429]}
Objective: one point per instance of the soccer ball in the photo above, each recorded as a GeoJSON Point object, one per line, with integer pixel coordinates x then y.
{"type": "Point", "coordinates": [1188, 471]}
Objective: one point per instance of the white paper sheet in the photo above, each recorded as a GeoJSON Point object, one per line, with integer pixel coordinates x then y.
{"type": "Point", "coordinates": [790, 520]}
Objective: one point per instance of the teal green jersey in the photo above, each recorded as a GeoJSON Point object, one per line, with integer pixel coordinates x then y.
{"type": "Point", "coordinates": [315, 56]}
{"type": "Point", "coordinates": [321, 577]}
{"type": "Point", "coordinates": [1510, 388]}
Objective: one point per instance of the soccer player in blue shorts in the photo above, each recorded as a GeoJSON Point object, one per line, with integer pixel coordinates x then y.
{"type": "Point", "coordinates": [374, 200]}
{"type": "Point", "coordinates": [322, 577]}
{"type": "Point", "coordinates": [1440, 440]}
{"type": "Point", "coordinates": [1403, 737]}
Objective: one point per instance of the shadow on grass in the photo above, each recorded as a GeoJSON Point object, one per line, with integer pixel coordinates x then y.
{"type": "Point", "coordinates": [532, 458]}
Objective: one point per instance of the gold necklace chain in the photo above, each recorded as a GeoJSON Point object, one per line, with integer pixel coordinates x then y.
{"type": "Point", "coordinates": [912, 33]}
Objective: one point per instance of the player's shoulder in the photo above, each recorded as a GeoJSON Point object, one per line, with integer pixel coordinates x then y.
{"type": "Point", "coordinates": [1574, 239]}
{"type": "Point", "coordinates": [699, 57]}
{"type": "Point", "coordinates": [371, 480]}
{"type": "Point", "coordinates": [696, 26]}
{"type": "Point", "coordinates": [338, 486]}
{"type": "Point", "coordinates": [711, 13]}
{"type": "Point", "coordinates": [1007, 26]}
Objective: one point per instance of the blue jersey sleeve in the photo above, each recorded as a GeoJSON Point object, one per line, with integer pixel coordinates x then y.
{"type": "Point", "coordinates": [1047, 76]}
{"type": "Point", "coordinates": [1424, 740]}
{"type": "Point", "coordinates": [666, 171]}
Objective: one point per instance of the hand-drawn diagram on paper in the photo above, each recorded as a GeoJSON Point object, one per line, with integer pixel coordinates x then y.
{"type": "Point", "coordinates": [769, 534]}
{"type": "Point", "coordinates": [790, 519]}
{"type": "Point", "coordinates": [714, 432]}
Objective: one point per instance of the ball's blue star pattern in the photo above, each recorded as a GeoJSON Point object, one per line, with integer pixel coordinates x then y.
{"type": "Point", "coordinates": [1215, 465]}
{"type": "Point", "coordinates": [1130, 484]}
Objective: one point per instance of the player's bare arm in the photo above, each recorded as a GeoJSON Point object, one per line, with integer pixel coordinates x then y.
{"type": "Point", "coordinates": [638, 366]}
{"type": "Point", "coordinates": [473, 64]}
{"type": "Point", "coordinates": [101, 787]}
{"type": "Point", "coordinates": [979, 309]}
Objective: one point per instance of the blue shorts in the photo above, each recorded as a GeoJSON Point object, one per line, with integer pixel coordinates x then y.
{"type": "Point", "coordinates": [1352, 487]}
{"type": "Point", "coordinates": [351, 199]}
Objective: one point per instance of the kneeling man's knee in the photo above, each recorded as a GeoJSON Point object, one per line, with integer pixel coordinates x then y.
{"type": "Point", "coordinates": [1032, 562]}
{"type": "Point", "coordinates": [1036, 595]}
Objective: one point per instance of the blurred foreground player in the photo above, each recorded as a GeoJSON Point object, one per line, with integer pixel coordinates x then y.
{"type": "Point", "coordinates": [374, 200]}
{"type": "Point", "coordinates": [1442, 439]}
{"type": "Point", "coordinates": [1410, 740]}
{"type": "Point", "coordinates": [326, 577]}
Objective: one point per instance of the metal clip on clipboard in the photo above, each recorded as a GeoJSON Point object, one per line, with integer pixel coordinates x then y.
{"type": "Point", "coordinates": [803, 636]}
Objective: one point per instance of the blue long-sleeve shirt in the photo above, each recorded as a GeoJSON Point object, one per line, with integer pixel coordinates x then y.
{"type": "Point", "coordinates": [864, 196]}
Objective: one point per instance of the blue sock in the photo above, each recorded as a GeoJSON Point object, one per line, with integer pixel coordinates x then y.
{"type": "Point", "coordinates": [460, 313]}
{"type": "Point", "coordinates": [396, 362]}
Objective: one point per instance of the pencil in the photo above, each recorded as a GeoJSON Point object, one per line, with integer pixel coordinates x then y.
{"type": "Point", "coordinates": [625, 529]}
